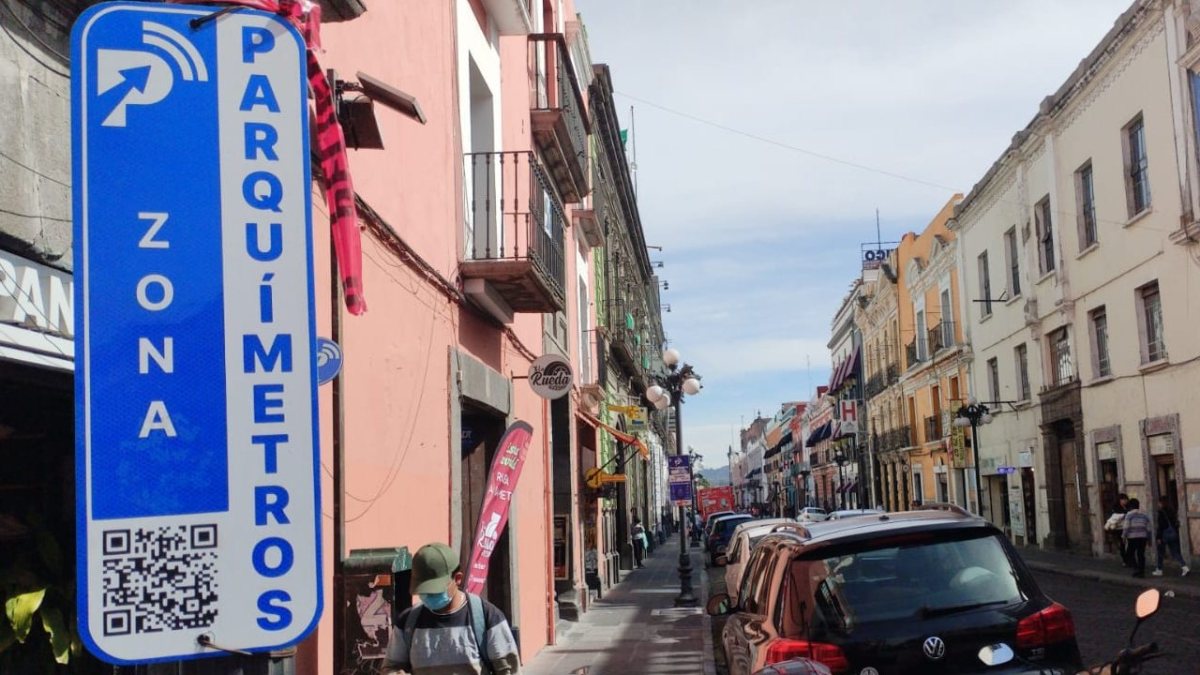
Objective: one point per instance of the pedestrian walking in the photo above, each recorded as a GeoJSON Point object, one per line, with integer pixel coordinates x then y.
{"type": "Point", "coordinates": [1166, 538]}
{"type": "Point", "coordinates": [1136, 532]}
{"type": "Point", "coordinates": [638, 535]}
{"type": "Point", "coordinates": [450, 632]}
{"type": "Point", "coordinates": [1115, 526]}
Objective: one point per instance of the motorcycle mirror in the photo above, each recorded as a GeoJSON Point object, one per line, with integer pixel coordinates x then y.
{"type": "Point", "coordinates": [996, 655]}
{"type": "Point", "coordinates": [1147, 604]}
{"type": "Point", "coordinates": [718, 605]}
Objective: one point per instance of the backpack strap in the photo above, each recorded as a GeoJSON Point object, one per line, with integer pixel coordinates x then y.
{"type": "Point", "coordinates": [411, 622]}
{"type": "Point", "coordinates": [479, 628]}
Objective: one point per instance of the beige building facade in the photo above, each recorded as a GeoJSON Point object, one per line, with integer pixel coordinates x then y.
{"type": "Point", "coordinates": [1079, 256]}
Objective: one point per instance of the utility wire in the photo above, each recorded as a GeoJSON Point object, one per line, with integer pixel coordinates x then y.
{"type": "Point", "coordinates": [857, 165]}
{"type": "Point", "coordinates": [787, 146]}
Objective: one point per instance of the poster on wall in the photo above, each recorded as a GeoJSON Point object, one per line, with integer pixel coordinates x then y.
{"type": "Point", "coordinates": [493, 517]}
{"type": "Point", "coordinates": [1016, 508]}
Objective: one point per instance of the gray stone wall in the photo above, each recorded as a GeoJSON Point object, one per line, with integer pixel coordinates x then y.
{"type": "Point", "coordinates": [35, 133]}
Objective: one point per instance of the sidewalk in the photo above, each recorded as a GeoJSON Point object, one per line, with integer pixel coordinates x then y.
{"type": "Point", "coordinates": [1111, 571]}
{"type": "Point", "coordinates": [636, 628]}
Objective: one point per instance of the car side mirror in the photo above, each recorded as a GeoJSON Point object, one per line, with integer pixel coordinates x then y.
{"type": "Point", "coordinates": [718, 605]}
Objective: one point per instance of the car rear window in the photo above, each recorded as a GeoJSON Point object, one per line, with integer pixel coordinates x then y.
{"type": "Point", "coordinates": [908, 577]}
{"type": "Point", "coordinates": [727, 526]}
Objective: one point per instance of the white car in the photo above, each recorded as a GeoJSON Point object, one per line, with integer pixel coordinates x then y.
{"type": "Point", "coordinates": [812, 514]}
{"type": "Point", "coordinates": [744, 538]}
{"type": "Point", "coordinates": [854, 513]}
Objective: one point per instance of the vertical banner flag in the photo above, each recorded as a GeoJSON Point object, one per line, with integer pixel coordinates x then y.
{"type": "Point", "coordinates": [197, 465]}
{"type": "Point", "coordinates": [679, 478]}
{"type": "Point", "coordinates": [493, 517]}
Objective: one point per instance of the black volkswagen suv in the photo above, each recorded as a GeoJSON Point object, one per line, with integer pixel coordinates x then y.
{"type": "Point", "coordinates": [913, 592]}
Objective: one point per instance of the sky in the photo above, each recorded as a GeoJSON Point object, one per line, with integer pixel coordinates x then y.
{"type": "Point", "coordinates": [747, 116]}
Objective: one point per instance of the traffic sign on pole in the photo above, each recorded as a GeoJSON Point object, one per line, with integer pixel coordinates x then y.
{"type": "Point", "coordinates": [197, 460]}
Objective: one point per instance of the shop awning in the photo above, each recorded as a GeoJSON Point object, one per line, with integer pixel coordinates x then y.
{"type": "Point", "coordinates": [834, 376]}
{"type": "Point", "coordinates": [621, 436]}
{"type": "Point", "coordinates": [821, 433]}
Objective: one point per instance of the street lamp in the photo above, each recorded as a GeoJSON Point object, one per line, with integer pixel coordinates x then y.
{"type": "Point", "coordinates": [972, 415]}
{"type": "Point", "coordinates": [667, 390]}
{"type": "Point", "coordinates": [841, 462]}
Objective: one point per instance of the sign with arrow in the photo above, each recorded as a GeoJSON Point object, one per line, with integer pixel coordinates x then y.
{"type": "Point", "coordinates": [198, 518]}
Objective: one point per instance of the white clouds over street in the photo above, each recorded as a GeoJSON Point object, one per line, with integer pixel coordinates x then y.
{"type": "Point", "coordinates": [761, 241]}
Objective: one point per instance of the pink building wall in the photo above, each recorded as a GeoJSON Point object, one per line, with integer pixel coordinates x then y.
{"type": "Point", "coordinates": [396, 375]}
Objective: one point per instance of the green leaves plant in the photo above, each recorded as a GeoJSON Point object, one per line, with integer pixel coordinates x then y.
{"type": "Point", "coordinates": [60, 636]}
{"type": "Point", "coordinates": [20, 609]}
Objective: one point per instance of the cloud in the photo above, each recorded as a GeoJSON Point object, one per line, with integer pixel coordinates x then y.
{"type": "Point", "coordinates": [761, 240]}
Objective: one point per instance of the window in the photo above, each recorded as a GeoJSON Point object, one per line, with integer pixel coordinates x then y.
{"type": "Point", "coordinates": [1045, 235]}
{"type": "Point", "coordinates": [1021, 355]}
{"type": "Point", "coordinates": [1060, 357]}
{"type": "Point", "coordinates": [1099, 322]}
{"type": "Point", "coordinates": [947, 322]}
{"type": "Point", "coordinates": [1012, 260]}
{"type": "Point", "coordinates": [1153, 346]}
{"type": "Point", "coordinates": [1137, 176]}
{"type": "Point", "coordinates": [985, 284]}
{"type": "Point", "coordinates": [922, 348]}
{"type": "Point", "coordinates": [1085, 202]}
{"type": "Point", "coordinates": [993, 379]}
{"type": "Point", "coordinates": [585, 351]}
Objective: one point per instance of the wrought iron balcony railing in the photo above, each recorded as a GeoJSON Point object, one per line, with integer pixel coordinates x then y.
{"type": "Point", "coordinates": [558, 115]}
{"type": "Point", "coordinates": [514, 230]}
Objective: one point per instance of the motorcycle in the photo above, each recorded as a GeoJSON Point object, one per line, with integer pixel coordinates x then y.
{"type": "Point", "coordinates": [1127, 662]}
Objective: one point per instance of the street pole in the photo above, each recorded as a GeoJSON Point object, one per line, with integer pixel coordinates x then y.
{"type": "Point", "coordinates": [686, 598]}
{"type": "Point", "coordinates": [975, 459]}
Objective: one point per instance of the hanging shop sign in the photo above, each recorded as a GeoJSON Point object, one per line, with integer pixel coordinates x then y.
{"type": "Point", "coordinates": [198, 465]}
{"type": "Point", "coordinates": [551, 376]}
{"type": "Point", "coordinates": [493, 517]}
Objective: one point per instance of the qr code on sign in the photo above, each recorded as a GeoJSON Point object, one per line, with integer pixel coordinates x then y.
{"type": "Point", "coordinates": [159, 578]}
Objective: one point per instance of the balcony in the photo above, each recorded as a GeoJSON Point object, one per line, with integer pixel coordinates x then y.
{"type": "Point", "coordinates": [900, 437]}
{"type": "Point", "coordinates": [913, 354]}
{"type": "Point", "coordinates": [558, 116]}
{"type": "Point", "coordinates": [511, 17]}
{"type": "Point", "coordinates": [933, 428]}
{"type": "Point", "coordinates": [513, 259]}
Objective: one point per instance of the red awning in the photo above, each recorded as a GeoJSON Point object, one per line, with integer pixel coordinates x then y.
{"type": "Point", "coordinates": [622, 436]}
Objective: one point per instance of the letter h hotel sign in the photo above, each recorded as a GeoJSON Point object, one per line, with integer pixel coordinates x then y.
{"type": "Point", "coordinates": [196, 419]}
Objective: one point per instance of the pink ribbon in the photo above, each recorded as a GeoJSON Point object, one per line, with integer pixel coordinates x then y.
{"type": "Point", "coordinates": [330, 145]}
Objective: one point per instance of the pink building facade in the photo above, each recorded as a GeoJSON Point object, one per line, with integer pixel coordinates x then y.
{"type": "Point", "coordinates": [471, 262]}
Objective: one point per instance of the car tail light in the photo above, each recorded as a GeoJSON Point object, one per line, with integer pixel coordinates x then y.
{"type": "Point", "coordinates": [823, 652]}
{"type": "Point", "coordinates": [1053, 624]}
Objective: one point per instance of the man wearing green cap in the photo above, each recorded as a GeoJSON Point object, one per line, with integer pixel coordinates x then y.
{"type": "Point", "coordinates": [450, 632]}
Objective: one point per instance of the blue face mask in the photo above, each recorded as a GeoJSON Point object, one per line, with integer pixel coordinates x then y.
{"type": "Point", "coordinates": [435, 601]}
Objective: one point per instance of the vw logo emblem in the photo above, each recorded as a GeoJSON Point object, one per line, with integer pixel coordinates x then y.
{"type": "Point", "coordinates": [934, 648]}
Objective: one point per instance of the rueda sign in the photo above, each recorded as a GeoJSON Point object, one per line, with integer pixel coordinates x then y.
{"type": "Point", "coordinates": [550, 376]}
{"type": "Point", "coordinates": [197, 460]}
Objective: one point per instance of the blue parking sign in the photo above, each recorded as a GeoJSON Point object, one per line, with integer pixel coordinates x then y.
{"type": "Point", "coordinates": [197, 452]}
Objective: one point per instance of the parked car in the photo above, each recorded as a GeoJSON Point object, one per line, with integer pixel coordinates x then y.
{"type": "Point", "coordinates": [913, 592]}
{"type": "Point", "coordinates": [722, 532]}
{"type": "Point", "coordinates": [745, 536]}
{"type": "Point", "coordinates": [708, 523]}
{"type": "Point", "coordinates": [854, 513]}
{"type": "Point", "coordinates": [812, 514]}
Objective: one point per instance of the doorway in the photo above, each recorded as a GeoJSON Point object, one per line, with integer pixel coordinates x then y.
{"type": "Point", "coordinates": [1108, 496]}
{"type": "Point", "coordinates": [481, 434]}
{"type": "Point", "coordinates": [1027, 494]}
{"type": "Point", "coordinates": [1165, 482]}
